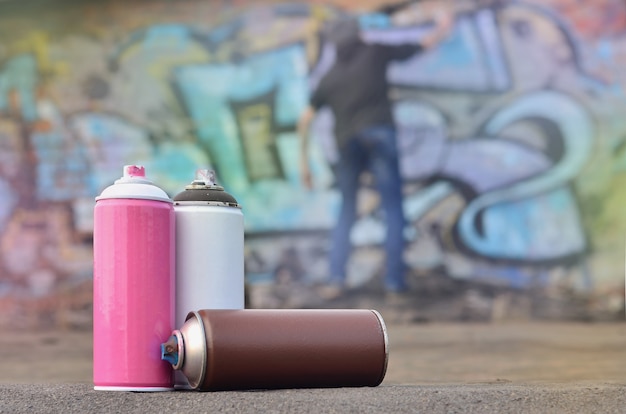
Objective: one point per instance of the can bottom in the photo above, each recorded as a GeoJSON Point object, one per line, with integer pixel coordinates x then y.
{"type": "Point", "coordinates": [136, 389]}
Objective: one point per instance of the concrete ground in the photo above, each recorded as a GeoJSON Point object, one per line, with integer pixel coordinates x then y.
{"type": "Point", "coordinates": [453, 398]}
{"type": "Point", "coordinates": [440, 367]}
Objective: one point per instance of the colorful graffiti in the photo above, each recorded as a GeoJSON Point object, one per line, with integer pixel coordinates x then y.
{"type": "Point", "coordinates": [511, 135]}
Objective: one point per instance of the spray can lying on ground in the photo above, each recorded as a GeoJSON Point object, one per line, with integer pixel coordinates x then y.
{"type": "Point", "coordinates": [133, 284]}
{"type": "Point", "coordinates": [209, 250]}
{"type": "Point", "coordinates": [268, 349]}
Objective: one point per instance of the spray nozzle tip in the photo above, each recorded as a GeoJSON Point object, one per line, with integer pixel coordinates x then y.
{"type": "Point", "coordinates": [134, 171]}
{"type": "Point", "coordinates": [206, 176]}
{"type": "Point", "coordinates": [169, 350]}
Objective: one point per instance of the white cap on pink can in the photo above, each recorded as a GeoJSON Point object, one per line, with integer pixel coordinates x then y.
{"type": "Point", "coordinates": [134, 185]}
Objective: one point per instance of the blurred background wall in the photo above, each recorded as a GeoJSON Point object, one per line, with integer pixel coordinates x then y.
{"type": "Point", "coordinates": [512, 136]}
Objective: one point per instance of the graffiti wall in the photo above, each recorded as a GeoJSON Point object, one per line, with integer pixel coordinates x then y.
{"type": "Point", "coordinates": [511, 132]}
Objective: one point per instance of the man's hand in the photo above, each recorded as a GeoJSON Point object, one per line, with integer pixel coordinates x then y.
{"type": "Point", "coordinates": [304, 124]}
{"type": "Point", "coordinates": [305, 174]}
{"type": "Point", "coordinates": [444, 22]}
{"type": "Point", "coordinates": [439, 12]}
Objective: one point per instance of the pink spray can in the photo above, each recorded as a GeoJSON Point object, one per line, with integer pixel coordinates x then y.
{"type": "Point", "coordinates": [134, 284]}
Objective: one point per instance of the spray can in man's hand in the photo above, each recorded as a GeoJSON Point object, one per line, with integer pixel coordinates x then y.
{"type": "Point", "coordinates": [209, 250]}
{"type": "Point", "coordinates": [133, 304]}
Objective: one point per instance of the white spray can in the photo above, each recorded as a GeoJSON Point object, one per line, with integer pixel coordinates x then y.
{"type": "Point", "coordinates": [209, 250]}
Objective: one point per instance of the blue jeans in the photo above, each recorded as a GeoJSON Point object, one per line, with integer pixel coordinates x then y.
{"type": "Point", "coordinates": [375, 149]}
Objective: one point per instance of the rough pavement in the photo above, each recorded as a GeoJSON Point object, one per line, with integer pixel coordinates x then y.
{"type": "Point", "coordinates": [476, 398]}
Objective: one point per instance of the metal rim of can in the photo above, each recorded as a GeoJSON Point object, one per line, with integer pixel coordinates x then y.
{"type": "Point", "coordinates": [206, 203]}
{"type": "Point", "coordinates": [195, 385]}
{"type": "Point", "coordinates": [180, 342]}
{"type": "Point", "coordinates": [199, 185]}
{"type": "Point", "coordinates": [383, 327]}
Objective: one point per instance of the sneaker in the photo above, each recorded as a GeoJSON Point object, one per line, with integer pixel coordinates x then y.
{"type": "Point", "coordinates": [330, 292]}
{"type": "Point", "coordinates": [400, 299]}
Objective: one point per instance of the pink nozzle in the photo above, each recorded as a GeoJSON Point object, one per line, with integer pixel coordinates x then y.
{"type": "Point", "coordinates": [134, 171]}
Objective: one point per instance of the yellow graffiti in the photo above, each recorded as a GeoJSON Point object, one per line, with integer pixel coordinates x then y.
{"type": "Point", "coordinates": [256, 131]}
{"type": "Point", "coordinates": [37, 43]}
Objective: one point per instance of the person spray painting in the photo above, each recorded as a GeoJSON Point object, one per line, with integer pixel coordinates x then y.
{"type": "Point", "coordinates": [355, 88]}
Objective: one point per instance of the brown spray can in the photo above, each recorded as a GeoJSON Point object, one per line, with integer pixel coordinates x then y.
{"type": "Point", "coordinates": [269, 349]}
